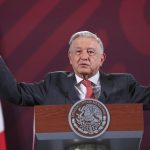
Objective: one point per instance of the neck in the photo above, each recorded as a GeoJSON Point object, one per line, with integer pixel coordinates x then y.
{"type": "Point", "coordinates": [85, 76]}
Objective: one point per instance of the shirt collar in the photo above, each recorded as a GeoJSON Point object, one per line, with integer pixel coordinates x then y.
{"type": "Point", "coordinates": [94, 79]}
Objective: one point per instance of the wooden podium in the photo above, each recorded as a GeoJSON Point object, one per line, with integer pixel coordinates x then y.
{"type": "Point", "coordinates": [52, 129]}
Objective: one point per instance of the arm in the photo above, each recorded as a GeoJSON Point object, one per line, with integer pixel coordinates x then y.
{"type": "Point", "coordinates": [20, 93]}
{"type": "Point", "coordinates": [137, 92]}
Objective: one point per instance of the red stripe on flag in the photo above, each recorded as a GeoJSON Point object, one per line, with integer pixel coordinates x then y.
{"type": "Point", "coordinates": [42, 57]}
{"type": "Point", "coordinates": [2, 141]}
{"type": "Point", "coordinates": [25, 25]}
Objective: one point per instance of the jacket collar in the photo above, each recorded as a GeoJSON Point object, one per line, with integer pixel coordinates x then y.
{"type": "Point", "coordinates": [106, 87]}
{"type": "Point", "coordinates": [72, 93]}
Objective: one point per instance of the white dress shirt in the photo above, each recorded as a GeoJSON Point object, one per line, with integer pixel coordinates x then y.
{"type": "Point", "coordinates": [95, 83]}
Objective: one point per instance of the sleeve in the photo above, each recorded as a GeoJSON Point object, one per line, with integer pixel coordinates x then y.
{"type": "Point", "coordinates": [137, 92]}
{"type": "Point", "coordinates": [27, 94]}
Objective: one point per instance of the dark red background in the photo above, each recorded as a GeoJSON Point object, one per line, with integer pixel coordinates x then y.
{"type": "Point", "coordinates": [34, 40]}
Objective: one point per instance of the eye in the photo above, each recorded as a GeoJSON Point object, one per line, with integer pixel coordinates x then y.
{"type": "Point", "coordinates": [78, 51]}
{"type": "Point", "coordinates": [91, 51]}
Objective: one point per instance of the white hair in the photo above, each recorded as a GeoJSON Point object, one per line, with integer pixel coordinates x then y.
{"type": "Point", "coordinates": [87, 34]}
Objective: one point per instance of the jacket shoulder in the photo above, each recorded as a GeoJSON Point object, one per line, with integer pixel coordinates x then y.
{"type": "Point", "coordinates": [58, 74]}
{"type": "Point", "coordinates": [118, 77]}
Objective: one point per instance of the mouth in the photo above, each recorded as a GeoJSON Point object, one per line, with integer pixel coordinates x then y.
{"type": "Point", "coordinates": [84, 65]}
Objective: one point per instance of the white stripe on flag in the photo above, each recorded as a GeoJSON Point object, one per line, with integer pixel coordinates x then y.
{"type": "Point", "coordinates": [1, 120]}
{"type": "Point", "coordinates": [2, 132]}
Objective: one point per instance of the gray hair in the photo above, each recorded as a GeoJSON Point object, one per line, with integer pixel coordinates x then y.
{"type": "Point", "coordinates": [87, 34]}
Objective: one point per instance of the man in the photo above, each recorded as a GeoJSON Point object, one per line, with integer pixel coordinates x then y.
{"type": "Point", "coordinates": [86, 55]}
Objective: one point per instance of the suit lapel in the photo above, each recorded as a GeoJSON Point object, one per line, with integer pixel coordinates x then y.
{"type": "Point", "coordinates": [106, 87]}
{"type": "Point", "coordinates": [72, 92]}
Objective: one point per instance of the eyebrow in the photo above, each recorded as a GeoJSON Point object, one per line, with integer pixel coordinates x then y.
{"type": "Point", "coordinates": [77, 47]}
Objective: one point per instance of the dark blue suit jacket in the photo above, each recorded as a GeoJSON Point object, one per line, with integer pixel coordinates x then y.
{"type": "Point", "coordinates": [58, 88]}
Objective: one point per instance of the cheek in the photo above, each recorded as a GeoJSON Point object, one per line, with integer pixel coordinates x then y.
{"type": "Point", "coordinates": [100, 60]}
{"type": "Point", "coordinates": [73, 60]}
{"type": "Point", "coordinates": [96, 62]}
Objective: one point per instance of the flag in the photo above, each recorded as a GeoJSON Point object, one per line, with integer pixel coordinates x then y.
{"type": "Point", "coordinates": [2, 132]}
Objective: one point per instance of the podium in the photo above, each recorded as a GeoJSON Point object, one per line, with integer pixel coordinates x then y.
{"type": "Point", "coordinates": [52, 130]}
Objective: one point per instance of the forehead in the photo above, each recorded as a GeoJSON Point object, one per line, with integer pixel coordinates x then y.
{"type": "Point", "coordinates": [85, 42]}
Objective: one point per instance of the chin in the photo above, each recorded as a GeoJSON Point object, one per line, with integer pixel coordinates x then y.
{"type": "Point", "coordinates": [85, 73]}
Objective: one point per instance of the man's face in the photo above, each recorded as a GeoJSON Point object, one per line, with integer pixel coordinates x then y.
{"type": "Point", "coordinates": [85, 56]}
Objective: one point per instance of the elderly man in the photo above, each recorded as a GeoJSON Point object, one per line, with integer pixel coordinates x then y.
{"type": "Point", "coordinates": [86, 55]}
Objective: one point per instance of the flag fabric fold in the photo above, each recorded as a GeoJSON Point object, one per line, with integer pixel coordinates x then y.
{"type": "Point", "coordinates": [2, 131]}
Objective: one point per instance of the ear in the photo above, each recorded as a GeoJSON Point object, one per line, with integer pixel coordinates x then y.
{"type": "Point", "coordinates": [102, 58]}
{"type": "Point", "coordinates": [69, 56]}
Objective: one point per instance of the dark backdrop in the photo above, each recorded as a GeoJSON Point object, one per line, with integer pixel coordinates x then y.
{"type": "Point", "coordinates": [34, 38]}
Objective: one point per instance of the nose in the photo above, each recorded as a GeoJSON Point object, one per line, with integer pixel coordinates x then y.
{"type": "Point", "coordinates": [84, 55]}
